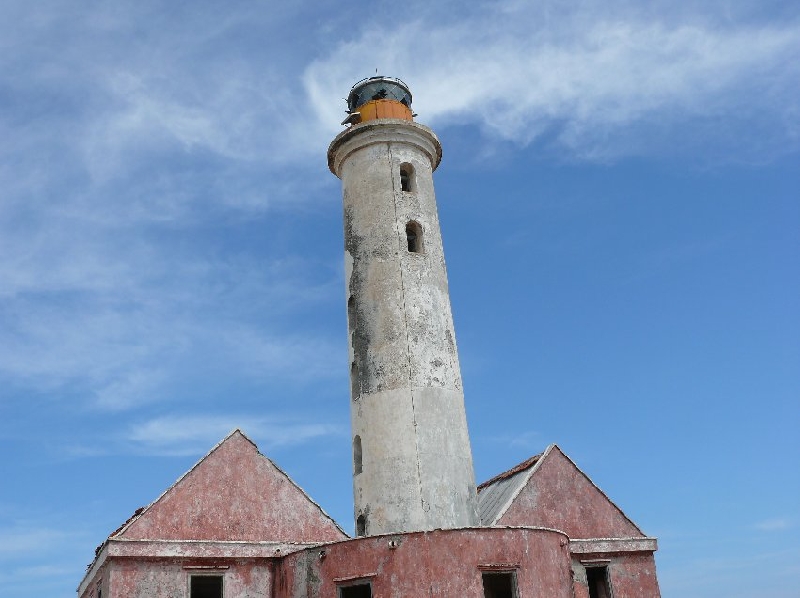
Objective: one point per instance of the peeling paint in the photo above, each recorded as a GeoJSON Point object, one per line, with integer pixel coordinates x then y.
{"type": "Point", "coordinates": [408, 403]}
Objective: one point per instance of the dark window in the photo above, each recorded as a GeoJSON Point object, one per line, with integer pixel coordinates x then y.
{"type": "Point", "coordinates": [351, 312]}
{"type": "Point", "coordinates": [599, 585]}
{"type": "Point", "coordinates": [361, 525]}
{"type": "Point", "coordinates": [499, 584]}
{"type": "Point", "coordinates": [359, 590]}
{"type": "Point", "coordinates": [406, 177]}
{"type": "Point", "coordinates": [205, 586]}
{"type": "Point", "coordinates": [357, 454]}
{"type": "Point", "coordinates": [414, 237]}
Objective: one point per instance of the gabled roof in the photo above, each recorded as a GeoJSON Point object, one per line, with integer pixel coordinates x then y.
{"type": "Point", "coordinates": [234, 493]}
{"type": "Point", "coordinates": [550, 490]}
{"type": "Point", "coordinates": [496, 494]}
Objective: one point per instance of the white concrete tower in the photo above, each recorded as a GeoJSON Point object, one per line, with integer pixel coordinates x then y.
{"type": "Point", "coordinates": [412, 463]}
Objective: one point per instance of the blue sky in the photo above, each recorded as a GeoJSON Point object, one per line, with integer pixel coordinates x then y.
{"type": "Point", "coordinates": [620, 205]}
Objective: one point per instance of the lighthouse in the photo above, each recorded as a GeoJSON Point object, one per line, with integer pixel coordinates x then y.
{"type": "Point", "coordinates": [412, 463]}
{"type": "Point", "coordinates": [236, 526]}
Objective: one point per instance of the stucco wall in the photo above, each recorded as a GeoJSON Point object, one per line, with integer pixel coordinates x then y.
{"type": "Point", "coordinates": [445, 563]}
{"type": "Point", "coordinates": [170, 578]}
{"type": "Point", "coordinates": [632, 575]}
{"type": "Point", "coordinates": [235, 493]}
{"type": "Point", "coordinates": [558, 495]}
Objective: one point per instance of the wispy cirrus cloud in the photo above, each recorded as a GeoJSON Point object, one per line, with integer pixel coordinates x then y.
{"type": "Point", "coordinates": [131, 154]}
{"type": "Point", "coordinates": [597, 80]}
{"type": "Point", "coordinates": [776, 524]}
{"type": "Point", "coordinates": [26, 539]}
{"type": "Point", "coordinates": [37, 554]}
{"type": "Point", "coordinates": [124, 326]}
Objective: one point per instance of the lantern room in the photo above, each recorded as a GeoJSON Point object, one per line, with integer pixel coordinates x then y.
{"type": "Point", "coordinates": [378, 97]}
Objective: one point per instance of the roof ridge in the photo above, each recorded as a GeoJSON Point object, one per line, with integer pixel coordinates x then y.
{"type": "Point", "coordinates": [529, 462]}
{"type": "Point", "coordinates": [600, 490]}
{"type": "Point", "coordinates": [142, 510]}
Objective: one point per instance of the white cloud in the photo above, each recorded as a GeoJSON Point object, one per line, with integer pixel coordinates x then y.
{"type": "Point", "coordinates": [777, 524]}
{"type": "Point", "coordinates": [21, 540]}
{"type": "Point", "coordinates": [589, 77]}
{"type": "Point", "coordinates": [124, 326]}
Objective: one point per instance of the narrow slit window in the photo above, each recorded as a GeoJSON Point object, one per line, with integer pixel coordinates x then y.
{"type": "Point", "coordinates": [205, 586]}
{"type": "Point", "coordinates": [361, 525]}
{"type": "Point", "coordinates": [599, 584]}
{"type": "Point", "coordinates": [499, 584]}
{"type": "Point", "coordinates": [351, 313]}
{"type": "Point", "coordinates": [407, 177]}
{"type": "Point", "coordinates": [357, 464]}
{"type": "Point", "coordinates": [414, 237]}
{"type": "Point", "coordinates": [356, 590]}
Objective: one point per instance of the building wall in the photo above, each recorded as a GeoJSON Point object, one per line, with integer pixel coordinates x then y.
{"type": "Point", "coordinates": [234, 493]}
{"type": "Point", "coordinates": [559, 495]}
{"type": "Point", "coordinates": [100, 581]}
{"type": "Point", "coordinates": [444, 563]}
{"type": "Point", "coordinates": [169, 578]}
{"type": "Point", "coordinates": [632, 575]}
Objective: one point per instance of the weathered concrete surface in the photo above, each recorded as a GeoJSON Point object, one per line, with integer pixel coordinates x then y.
{"type": "Point", "coordinates": [445, 563]}
{"type": "Point", "coordinates": [170, 579]}
{"type": "Point", "coordinates": [407, 400]}
{"type": "Point", "coordinates": [235, 508]}
{"type": "Point", "coordinates": [234, 493]}
{"type": "Point", "coordinates": [560, 495]}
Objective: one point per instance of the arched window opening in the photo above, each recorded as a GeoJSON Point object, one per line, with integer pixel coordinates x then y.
{"type": "Point", "coordinates": [407, 177]}
{"type": "Point", "coordinates": [357, 467]}
{"type": "Point", "coordinates": [414, 237]}
{"type": "Point", "coordinates": [361, 525]}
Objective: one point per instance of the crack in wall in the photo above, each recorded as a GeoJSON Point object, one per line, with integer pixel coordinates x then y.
{"type": "Point", "coordinates": [390, 158]}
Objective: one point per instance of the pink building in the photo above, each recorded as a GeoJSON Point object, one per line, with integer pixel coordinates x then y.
{"type": "Point", "coordinates": [236, 525]}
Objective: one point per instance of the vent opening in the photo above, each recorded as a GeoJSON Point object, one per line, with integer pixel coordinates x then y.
{"type": "Point", "coordinates": [407, 182]}
{"type": "Point", "coordinates": [361, 525]}
{"type": "Point", "coordinates": [499, 584]}
{"type": "Point", "coordinates": [357, 590]}
{"type": "Point", "coordinates": [414, 237]}
{"type": "Point", "coordinates": [599, 584]}
{"type": "Point", "coordinates": [205, 586]}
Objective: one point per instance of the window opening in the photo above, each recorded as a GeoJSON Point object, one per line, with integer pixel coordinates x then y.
{"type": "Point", "coordinates": [351, 312]}
{"type": "Point", "coordinates": [499, 584]}
{"type": "Point", "coordinates": [361, 525]}
{"type": "Point", "coordinates": [599, 584]}
{"type": "Point", "coordinates": [358, 590]}
{"type": "Point", "coordinates": [357, 467]}
{"type": "Point", "coordinates": [205, 586]}
{"type": "Point", "coordinates": [414, 237]}
{"type": "Point", "coordinates": [406, 177]}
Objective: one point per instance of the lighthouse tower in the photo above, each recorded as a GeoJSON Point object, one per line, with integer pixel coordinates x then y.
{"type": "Point", "coordinates": [412, 464]}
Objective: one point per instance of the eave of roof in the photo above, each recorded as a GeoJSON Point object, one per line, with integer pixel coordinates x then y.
{"type": "Point", "coordinates": [529, 462]}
